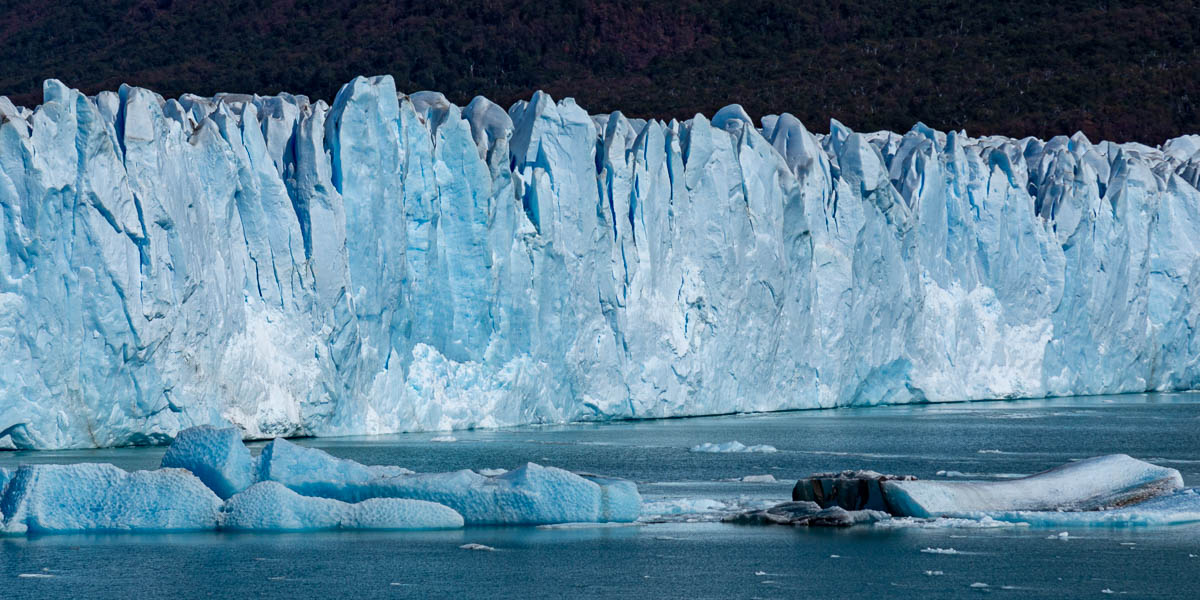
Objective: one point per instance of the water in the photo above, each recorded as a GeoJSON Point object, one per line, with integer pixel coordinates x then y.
{"type": "Point", "coordinates": [671, 557]}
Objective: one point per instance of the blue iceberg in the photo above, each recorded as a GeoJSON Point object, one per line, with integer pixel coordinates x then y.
{"type": "Point", "coordinates": [217, 456]}
{"type": "Point", "coordinates": [270, 506]}
{"type": "Point", "coordinates": [99, 497]}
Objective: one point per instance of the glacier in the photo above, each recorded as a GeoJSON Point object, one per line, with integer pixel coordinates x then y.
{"type": "Point", "coordinates": [395, 262]}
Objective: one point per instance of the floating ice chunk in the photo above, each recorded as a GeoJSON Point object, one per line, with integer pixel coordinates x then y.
{"type": "Point", "coordinates": [529, 495]}
{"type": "Point", "coordinates": [939, 551]}
{"type": "Point", "coordinates": [270, 506]}
{"type": "Point", "coordinates": [944, 523]}
{"type": "Point", "coordinates": [314, 472]}
{"type": "Point", "coordinates": [1096, 483]}
{"type": "Point", "coordinates": [734, 446]}
{"type": "Point", "coordinates": [768, 478]}
{"type": "Point", "coordinates": [444, 438]}
{"type": "Point", "coordinates": [99, 497]}
{"type": "Point", "coordinates": [683, 506]}
{"type": "Point", "coordinates": [1180, 508]}
{"type": "Point", "coordinates": [474, 546]}
{"type": "Point", "coordinates": [217, 456]}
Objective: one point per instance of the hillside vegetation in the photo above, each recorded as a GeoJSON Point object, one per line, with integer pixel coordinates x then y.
{"type": "Point", "coordinates": [1115, 70]}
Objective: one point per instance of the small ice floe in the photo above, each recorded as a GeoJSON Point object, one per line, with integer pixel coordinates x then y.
{"type": "Point", "coordinates": [444, 438]}
{"type": "Point", "coordinates": [1059, 536]}
{"type": "Point", "coordinates": [946, 523]}
{"type": "Point", "coordinates": [834, 556]}
{"type": "Point", "coordinates": [731, 447]}
{"type": "Point", "coordinates": [586, 525]}
{"type": "Point", "coordinates": [979, 585]}
{"type": "Point", "coordinates": [1107, 591]}
{"type": "Point", "coordinates": [768, 478]}
{"type": "Point", "coordinates": [934, 573]}
{"type": "Point", "coordinates": [965, 475]}
{"type": "Point", "coordinates": [474, 546]}
{"type": "Point", "coordinates": [35, 575]}
{"type": "Point", "coordinates": [940, 551]}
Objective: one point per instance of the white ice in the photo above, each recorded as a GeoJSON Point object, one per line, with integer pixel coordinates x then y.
{"type": "Point", "coordinates": [1094, 483]}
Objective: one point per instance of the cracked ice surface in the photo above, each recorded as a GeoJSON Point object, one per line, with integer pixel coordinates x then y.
{"type": "Point", "coordinates": [393, 263]}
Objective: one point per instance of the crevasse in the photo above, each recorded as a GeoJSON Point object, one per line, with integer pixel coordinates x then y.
{"type": "Point", "coordinates": [393, 263]}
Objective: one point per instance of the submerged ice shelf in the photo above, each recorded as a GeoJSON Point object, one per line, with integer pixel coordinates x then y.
{"type": "Point", "coordinates": [395, 262]}
{"type": "Point", "coordinates": [209, 481]}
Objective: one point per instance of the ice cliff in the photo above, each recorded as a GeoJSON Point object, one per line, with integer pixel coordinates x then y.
{"type": "Point", "coordinates": [397, 262]}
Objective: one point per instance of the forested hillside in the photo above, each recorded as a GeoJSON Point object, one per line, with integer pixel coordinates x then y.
{"type": "Point", "coordinates": [1115, 70]}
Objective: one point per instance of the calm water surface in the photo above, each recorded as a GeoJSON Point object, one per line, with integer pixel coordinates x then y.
{"type": "Point", "coordinates": [678, 558]}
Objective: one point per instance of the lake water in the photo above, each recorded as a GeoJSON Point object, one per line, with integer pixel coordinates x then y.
{"type": "Point", "coordinates": [684, 555]}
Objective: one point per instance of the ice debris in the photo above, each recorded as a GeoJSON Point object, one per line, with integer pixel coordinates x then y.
{"type": "Point", "coordinates": [392, 262]}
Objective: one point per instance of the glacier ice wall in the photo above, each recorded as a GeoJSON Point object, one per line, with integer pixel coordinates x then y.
{"type": "Point", "coordinates": [396, 262]}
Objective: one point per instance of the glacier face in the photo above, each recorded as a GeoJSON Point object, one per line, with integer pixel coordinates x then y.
{"type": "Point", "coordinates": [396, 262]}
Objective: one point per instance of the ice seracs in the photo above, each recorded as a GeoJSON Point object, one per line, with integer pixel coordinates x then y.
{"type": "Point", "coordinates": [393, 262]}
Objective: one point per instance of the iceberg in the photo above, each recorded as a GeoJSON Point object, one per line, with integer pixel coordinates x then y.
{"type": "Point", "coordinates": [217, 456]}
{"type": "Point", "coordinates": [529, 495]}
{"type": "Point", "coordinates": [99, 497]}
{"type": "Point", "coordinates": [393, 262]}
{"type": "Point", "coordinates": [293, 488]}
{"type": "Point", "coordinates": [1099, 483]}
{"type": "Point", "coordinates": [271, 506]}
{"type": "Point", "coordinates": [314, 472]}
